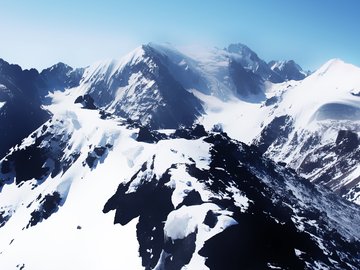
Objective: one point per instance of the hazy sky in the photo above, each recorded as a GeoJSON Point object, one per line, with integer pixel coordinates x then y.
{"type": "Point", "coordinates": [39, 33]}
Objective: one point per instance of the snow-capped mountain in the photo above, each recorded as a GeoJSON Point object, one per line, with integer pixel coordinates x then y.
{"type": "Point", "coordinates": [140, 87]}
{"type": "Point", "coordinates": [61, 76]}
{"type": "Point", "coordinates": [249, 60]}
{"type": "Point", "coordinates": [299, 123]}
{"type": "Point", "coordinates": [190, 199]}
{"type": "Point", "coordinates": [314, 126]}
{"type": "Point", "coordinates": [288, 70]}
{"type": "Point", "coordinates": [22, 93]}
{"type": "Point", "coordinates": [204, 159]}
{"type": "Point", "coordinates": [20, 104]}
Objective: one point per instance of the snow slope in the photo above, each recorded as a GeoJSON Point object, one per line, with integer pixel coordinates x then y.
{"type": "Point", "coordinates": [288, 70]}
{"type": "Point", "coordinates": [140, 87]}
{"type": "Point", "coordinates": [174, 199]}
{"type": "Point", "coordinates": [319, 110]}
{"type": "Point", "coordinates": [299, 123]}
{"type": "Point", "coordinates": [103, 184]}
{"type": "Point", "coordinates": [78, 235]}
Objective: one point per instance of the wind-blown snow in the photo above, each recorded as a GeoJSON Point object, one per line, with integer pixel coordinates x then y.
{"type": "Point", "coordinates": [322, 87]}
{"type": "Point", "coordinates": [109, 67]}
{"type": "Point", "coordinates": [299, 99]}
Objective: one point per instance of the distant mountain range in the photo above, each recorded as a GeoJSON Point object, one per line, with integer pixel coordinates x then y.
{"type": "Point", "coordinates": [208, 160]}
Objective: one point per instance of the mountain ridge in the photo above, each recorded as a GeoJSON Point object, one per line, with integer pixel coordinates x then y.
{"type": "Point", "coordinates": [203, 161]}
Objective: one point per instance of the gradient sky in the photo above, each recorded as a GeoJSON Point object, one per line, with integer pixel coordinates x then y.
{"type": "Point", "coordinates": [39, 33]}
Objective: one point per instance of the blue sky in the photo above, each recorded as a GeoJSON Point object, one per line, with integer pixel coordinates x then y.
{"type": "Point", "coordinates": [39, 33]}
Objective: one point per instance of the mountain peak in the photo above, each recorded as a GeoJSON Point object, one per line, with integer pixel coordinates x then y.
{"type": "Point", "coordinates": [281, 63]}
{"type": "Point", "coordinates": [61, 76]}
{"type": "Point", "coordinates": [58, 67]}
{"type": "Point", "coordinates": [332, 63]}
{"type": "Point", "coordinates": [132, 57]}
{"type": "Point", "coordinates": [10, 67]}
{"type": "Point", "coordinates": [161, 46]}
{"type": "Point", "coordinates": [339, 67]}
{"type": "Point", "coordinates": [107, 68]}
{"type": "Point", "coordinates": [61, 64]}
{"type": "Point", "coordinates": [288, 69]}
{"type": "Point", "coordinates": [240, 48]}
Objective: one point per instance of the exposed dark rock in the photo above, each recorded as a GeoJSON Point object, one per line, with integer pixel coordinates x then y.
{"type": "Point", "coordinates": [86, 101]}
{"type": "Point", "coordinates": [227, 155]}
{"type": "Point", "coordinates": [179, 252]}
{"type": "Point", "coordinates": [344, 154]}
{"type": "Point", "coordinates": [152, 203]}
{"type": "Point", "coordinates": [354, 93]}
{"type": "Point", "coordinates": [99, 153]}
{"type": "Point", "coordinates": [276, 132]}
{"type": "Point", "coordinates": [28, 163]}
{"type": "Point", "coordinates": [288, 70]}
{"type": "Point", "coordinates": [48, 205]}
{"type": "Point", "coordinates": [347, 141]}
{"type": "Point", "coordinates": [271, 101]}
{"type": "Point", "coordinates": [210, 219]}
{"type": "Point", "coordinates": [251, 62]}
{"type": "Point", "coordinates": [5, 166]}
{"type": "Point", "coordinates": [190, 133]}
{"type": "Point", "coordinates": [66, 163]}
{"type": "Point", "coordinates": [149, 136]}
{"type": "Point", "coordinates": [199, 131]}
{"type": "Point", "coordinates": [164, 103]}
{"type": "Point", "coordinates": [105, 114]}
{"type": "Point", "coordinates": [20, 266]}
{"type": "Point", "coordinates": [193, 198]}
{"type": "Point", "coordinates": [4, 217]}
{"type": "Point", "coordinates": [217, 128]}
{"type": "Point", "coordinates": [267, 232]}
{"type": "Point", "coordinates": [90, 160]}
{"type": "Point", "coordinates": [22, 112]}
{"type": "Point", "coordinates": [61, 76]}
{"type": "Point", "coordinates": [259, 242]}
{"type": "Point", "coordinates": [38, 160]}
{"type": "Point", "coordinates": [247, 83]}
{"type": "Point", "coordinates": [100, 150]}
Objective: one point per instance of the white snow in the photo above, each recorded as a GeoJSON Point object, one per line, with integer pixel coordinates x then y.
{"type": "Point", "coordinates": [241, 120]}
{"type": "Point", "coordinates": [182, 222]}
{"type": "Point", "coordinates": [183, 183]}
{"type": "Point", "coordinates": [298, 252]}
{"type": "Point", "coordinates": [72, 238]}
{"type": "Point", "coordinates": [187, 219]}
{"type": "Point", "coordinates": [299, 99]}
{"type": "Point", "coordinates": [86, 191]}
{"type": "Point", "coordinates": [108, 68]}
{"type": "Point", "coordinates": [240, 199]}
{"type": "Point", "coordinates": [180, 151]}
{"type": "Point", "coordinates": [356, 197]}
{"type": "Point", "coordinates": [278, 64]}
{"type": "Point", "coordinates": [322, 87]}
{"type": "Point", "coordinates": [273, 266]}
